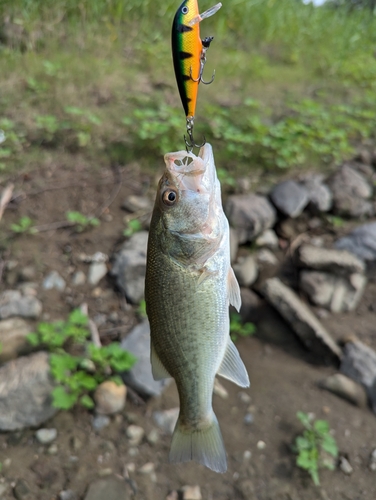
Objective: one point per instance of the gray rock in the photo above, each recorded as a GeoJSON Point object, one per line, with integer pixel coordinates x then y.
{"type": "Point", "coordinates": [140, 377]}
{"type": "Point", "coordinates": [372, 461]}
{"type": "Point", "coordinates": [134, 203]}
{"type": "Point", "coordinates": [290, 198]}
{"type": "Point", "coordinates": [300, 317]}
{"type": "Point", "coordinates": [191, 492]}
{"type": "Point", "coordinates": [129, 266]}
{"type": "Point", "coordinates": [335, 293]}
{"type": "Point", "coordinates": [21, 490]}
{"type": "Point", "coordinates": [249, 215]}
{"type": "Point", "coordinates": [46, 436]}
{"type": "Point", "coordinates": [135, 434]}
{"type": "Point", "coordinates": [268, 239]}
{"type": "Point", "coordinates": [319, 195]}
{"type": "Point", "coordinates": [54, 280]}
{"type": "Point", "coordinates": [359, 364]}
{"type": "Point", "coordinates": [109, 488]}
{"type": "Point", "coordinates": [345, 466]}
{"type": "Point", "coordinates": [100, 422]}
{"type": "Point", "coordinates": [166, 420]}
{"type": "Point", "coordinates": [361, 242]}
{"type": "Point", "coordinates": [345, 388]}
{"type": "Point", "coordinates": [350, 192]}
{"type": "Point", "coordinates": [267, 264]}
{"type": "Point", "coordinates": [25, 392]}
{"type": "Point", "coordinates": [251, 305]}
{"type": "Point", "coordinates": [13, 303]}
{"type": "Point", "coordinates": [13, 339]}
{"type": "Point", "coordinates": [328, 259]}
{"type": "Point", "coordinates": [3, 489]}
{"type": "Point", "coordinates": [245, 270]}
{"type": "Point", "coordinates": [68, 495]}
{"type": "Point", "coordinates": [97, 271]}
{"type": "Point", "coordinates": [27, 273]}
{"type": "Point", "coordinates": [78, 278]}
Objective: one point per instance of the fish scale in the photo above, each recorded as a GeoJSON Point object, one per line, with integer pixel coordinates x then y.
{"type": "Point", "coordinates": [189, 285]}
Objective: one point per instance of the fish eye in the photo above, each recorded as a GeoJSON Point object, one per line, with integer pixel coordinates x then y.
{"type": "Point", "coordinates": [169, 197]}
{"type": "Point", "coordinates": [185, 10]}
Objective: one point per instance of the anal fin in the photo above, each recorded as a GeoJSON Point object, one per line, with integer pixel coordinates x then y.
{"type": "Point", "coordinates": [158, 370]}
{"type": "Point", "coordinates": [232, 366]}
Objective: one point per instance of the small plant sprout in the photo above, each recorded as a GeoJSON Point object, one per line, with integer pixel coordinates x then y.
{"type": "Point", "coordinates": [316, 447]}
{"type": "Point", "coordinates": [77, 375]}
{"type": "Point", "coordinates": [141, 309]}
{"type": "Point", "coordinates": [24, 225]}
{"type": "Point", "coordinates": [240, 329]}
{"type": "Point", "coordinates": [133, 226]}
{"type": "Point", "coordinates": [81, 221]}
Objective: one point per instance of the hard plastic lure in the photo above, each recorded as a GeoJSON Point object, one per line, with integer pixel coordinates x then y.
{"type": "Point", "coordinates": [189, 56]}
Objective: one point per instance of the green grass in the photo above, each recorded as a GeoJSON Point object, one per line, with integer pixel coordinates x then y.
{"type": "Point", "coordinates": [294, 85]}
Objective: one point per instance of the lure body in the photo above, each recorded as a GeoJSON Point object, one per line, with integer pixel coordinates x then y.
{"type": "Point", "coordinates": [188, 52]}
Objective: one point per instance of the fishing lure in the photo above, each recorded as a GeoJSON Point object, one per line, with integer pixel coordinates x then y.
{"type": "Point", "coordinates": [189, 57]}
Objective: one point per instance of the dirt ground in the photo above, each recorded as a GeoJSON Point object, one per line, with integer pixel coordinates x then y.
{"type": "Point", "coordinates": [283, 375]}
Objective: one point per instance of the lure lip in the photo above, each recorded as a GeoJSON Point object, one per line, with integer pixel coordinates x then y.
{"type": "Point", "coordinates": [208, 13]}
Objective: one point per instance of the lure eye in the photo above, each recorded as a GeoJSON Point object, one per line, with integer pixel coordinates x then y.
{"type": "Point", "coordinates": [169, 197]}
{"type": "Point", "coordinates": [185, 10]}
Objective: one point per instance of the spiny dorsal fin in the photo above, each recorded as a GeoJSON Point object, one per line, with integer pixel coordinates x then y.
{"type": "Point", "coordinates": [233, 290]}
{"type": "Point", "coordinates": [158, 370]}
{"type": "Point", "coordinates": [232, 366]}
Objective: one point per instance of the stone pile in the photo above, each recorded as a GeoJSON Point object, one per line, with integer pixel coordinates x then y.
{"type": "Point", "coordinates": [289, 267]}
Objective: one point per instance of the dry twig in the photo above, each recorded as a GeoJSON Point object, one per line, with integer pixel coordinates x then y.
{"type": "Point", "coordinates": [92, 326]}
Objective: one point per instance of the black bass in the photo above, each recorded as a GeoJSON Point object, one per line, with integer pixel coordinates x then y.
{"type": "Point", "coordinates": [189, 286]}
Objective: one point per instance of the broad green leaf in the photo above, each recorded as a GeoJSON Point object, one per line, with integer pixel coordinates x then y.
{"type": "Point", "coordinates": [87, 402]}
{"type": "Point", "coordinates": [33, 338]}
{"type": "Point", "coordinates": [302, 443]}
{"type": "Point", "coordinates": [304, 418]}
{"type": "Point", "coordinates": [321, 426]}
{"type": "Point", "coordinates": [77, 317]}
{"type": "Point", "coordinates": [329, 445]}
{"type": "Point", "coordinates": [62, 399]}
{"type": "Point", "coordinates": [62, 364]}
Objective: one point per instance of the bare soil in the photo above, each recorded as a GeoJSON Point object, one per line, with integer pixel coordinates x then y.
{"type": "Point", "coordinates": [283, 375]}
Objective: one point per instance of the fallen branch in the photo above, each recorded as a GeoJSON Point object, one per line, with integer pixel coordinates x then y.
{"type": "Point", "coordinates": [54, 225]}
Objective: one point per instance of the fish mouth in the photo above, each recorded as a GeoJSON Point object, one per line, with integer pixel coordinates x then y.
{"type": "Point", "coordinates": [191, 172]}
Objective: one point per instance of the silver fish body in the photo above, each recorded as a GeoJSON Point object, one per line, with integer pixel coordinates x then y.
{"type": "Point", "coordinates": [189, 286]}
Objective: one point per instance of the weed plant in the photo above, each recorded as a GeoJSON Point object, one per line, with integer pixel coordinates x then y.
{"type": "Point", "coordinates": [316, 448]}
{"type": "Point", "coordinates": [295, 84]}
{"type": "Point", "coordinates": [77, 365]}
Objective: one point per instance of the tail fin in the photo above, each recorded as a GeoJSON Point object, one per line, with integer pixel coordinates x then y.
{"type": "Point", "coordinates": [204, 446]}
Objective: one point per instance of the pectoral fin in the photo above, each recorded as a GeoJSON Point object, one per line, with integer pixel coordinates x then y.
{"type": "Point", "coordinates": [158, 370]}
{"type": "Point", "coordinates": [232, 366]}
{"type": "Point", "coordinates": [233, 290]}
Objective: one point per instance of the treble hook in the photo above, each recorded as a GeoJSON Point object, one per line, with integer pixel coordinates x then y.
{"type": "Point", "coordinates": [192, 143]}
{"type": "Point", "coordinates": [205, 45]}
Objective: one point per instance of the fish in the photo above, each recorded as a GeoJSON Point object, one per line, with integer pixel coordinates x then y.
{"type": "Point", "coordinates": [189, 51]}
{"type": "Point", "coordinates": [189, 286]}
